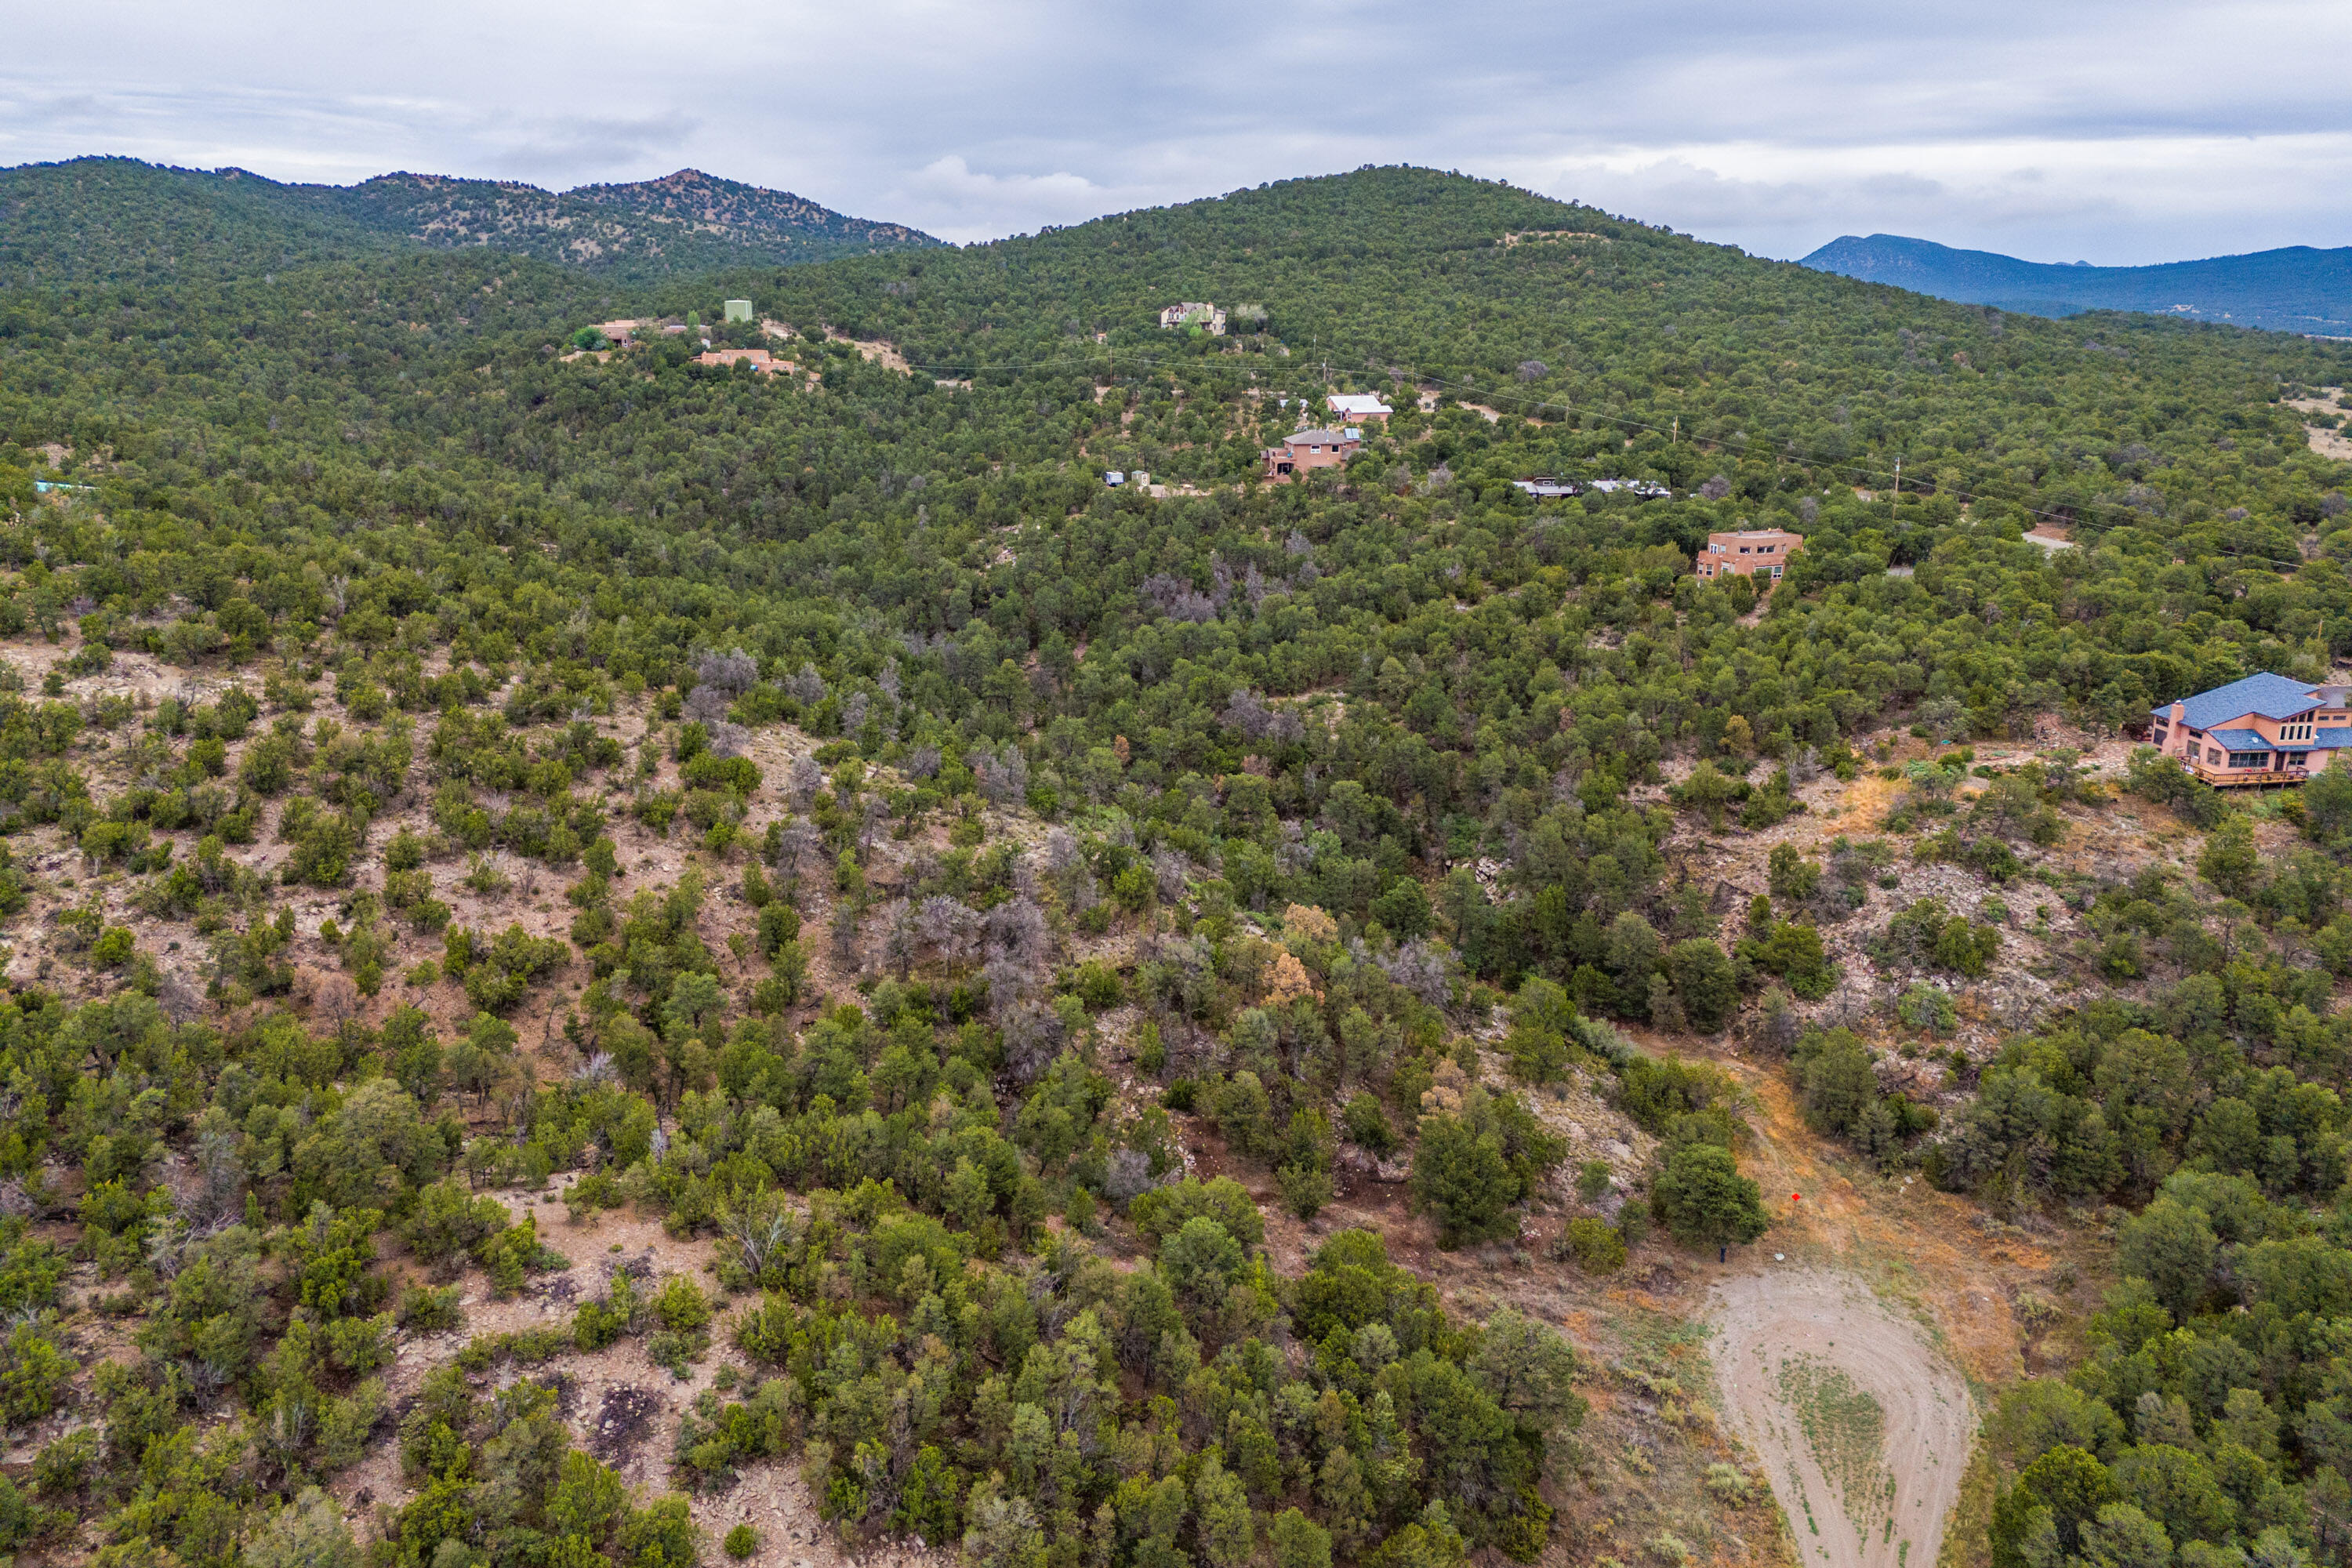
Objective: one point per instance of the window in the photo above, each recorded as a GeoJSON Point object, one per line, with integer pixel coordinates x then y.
{"type": "Point", "coordinates": [2250, 759]}
{"type": "Point", "coordinates": [2213, 756]}
{"type": "Point", "coordinates": [2159, 735]}
{"type": "Point", "coordinates": [1776, 571]}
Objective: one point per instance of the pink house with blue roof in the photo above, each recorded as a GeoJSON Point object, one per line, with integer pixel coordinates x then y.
{"type": "Point", "coordinates": [2266, 729]}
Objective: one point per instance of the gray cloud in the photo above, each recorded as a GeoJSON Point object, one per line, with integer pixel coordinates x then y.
{"type": "Point", "coordinates": [2102, 131]}
{"type": "Point", "coordinates": [581, 147]}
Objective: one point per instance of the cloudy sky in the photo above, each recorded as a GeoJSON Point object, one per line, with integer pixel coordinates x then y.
{"type": "Point", "coordinates": [2110, 132]}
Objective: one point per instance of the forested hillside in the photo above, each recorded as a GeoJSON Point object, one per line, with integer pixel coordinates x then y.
{"type": "Point", "coordinates": [990, 923]}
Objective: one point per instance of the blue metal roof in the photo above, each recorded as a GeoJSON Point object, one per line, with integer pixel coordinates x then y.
{"type": "Point", "coordinates": [2241, 740]}
{"type": "Point", "coordinates": [2330, 739]}
{"type": "Point", "coordinates": [2272, 695]}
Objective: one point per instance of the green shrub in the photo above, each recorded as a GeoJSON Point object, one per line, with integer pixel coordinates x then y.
{"type": "Point", "coordinates": [1927, 1009]}
{"type": "Point", "coordinates": [779, 923]}
{"type": "Point", "coordinates": [1595, 1245]}
{"type": "Point", "coordinates": [1365, 1123]}
{"type": "Point", "coordinates": [680, 1304]}
{"type": "Point", "coordinates": [1097, 985]}
{"type": "Point", "coordinates": [1704, 1201]}
{"type": "Point", "coordinates": [1163, 1211]}
{"type": "Point", "coordinates": [597, 1324]}
{"type": "Point", "coordinates": [63, 1469]}
{"type": "Point", "coordinates": [1305, 1189]}
{"type": "Point", "coordinates": [35, 1372]}
{"type": "Point", "coordinates": [428, 1310]}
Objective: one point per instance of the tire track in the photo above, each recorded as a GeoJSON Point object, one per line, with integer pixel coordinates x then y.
{"type": "Point", "coordinates": [1812, 1366]}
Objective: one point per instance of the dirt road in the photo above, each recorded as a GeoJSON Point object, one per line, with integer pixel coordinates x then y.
{"type": "Point", "coordinates": [1863, 1429]}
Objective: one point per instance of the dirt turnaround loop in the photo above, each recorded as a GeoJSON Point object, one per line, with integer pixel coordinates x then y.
{"type": "Point", "coordinates": [1862, 1429]}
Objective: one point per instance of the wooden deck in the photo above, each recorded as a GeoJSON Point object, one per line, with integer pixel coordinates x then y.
{"type": "Point", "coordinates": [2241, 778]}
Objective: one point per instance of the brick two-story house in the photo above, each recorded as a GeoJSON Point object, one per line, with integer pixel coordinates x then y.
{"type": "Point", "coordinates": [1749, 552]}
{"type": "Point", "coordinates": [1311, 449]}
{"type": "Point", "coordinates": [2266, 729]}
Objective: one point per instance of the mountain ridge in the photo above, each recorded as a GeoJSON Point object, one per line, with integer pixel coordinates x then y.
{"type": "Point", "coordinates": [2299, 289]}
{"type": "Point", "coordinates": [713, 200]}
{"type": "Point", "coordinates": [97, 216]}
{"type": "Point", "coordinates": [696, 219]}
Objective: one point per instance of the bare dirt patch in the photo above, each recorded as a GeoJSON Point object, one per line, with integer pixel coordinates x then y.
{"type": "Point", "coordinates": [1862, 1429]}
{"type": "Point", "coordinates": [2325, 440]}
{"type": "Point", "coordinates": [875, 350]}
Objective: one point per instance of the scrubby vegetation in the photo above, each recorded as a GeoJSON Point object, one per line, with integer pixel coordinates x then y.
{"type": "Point", "coordinates": [948, 847]}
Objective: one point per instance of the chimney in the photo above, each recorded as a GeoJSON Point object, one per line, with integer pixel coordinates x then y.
{"type": "Point", "coordinates": [2179, 718]}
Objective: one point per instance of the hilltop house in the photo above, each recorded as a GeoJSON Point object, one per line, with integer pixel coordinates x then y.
{"type": "Point", "coordinates": [1356, 407]}
{"type": "Point", "coordinates": [1311, 449]}
{"type": "Point", "coordinates": [2262, 730]}
{"type": "Point", "coordinates": [1194, 313]}
{"type": "Point", "coordinates": [1747, 552]}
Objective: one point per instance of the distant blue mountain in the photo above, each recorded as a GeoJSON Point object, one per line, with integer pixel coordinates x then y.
{"type": "Point", "coordinates": [2297, 289]}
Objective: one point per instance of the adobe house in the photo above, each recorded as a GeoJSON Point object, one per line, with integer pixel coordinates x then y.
{"type": "Point", "coordinates": [2262, 730]}
{"type": "Point", "coordinates": [1747, 552]}
{"type": "Point", "coordinates": [1304, 449]}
